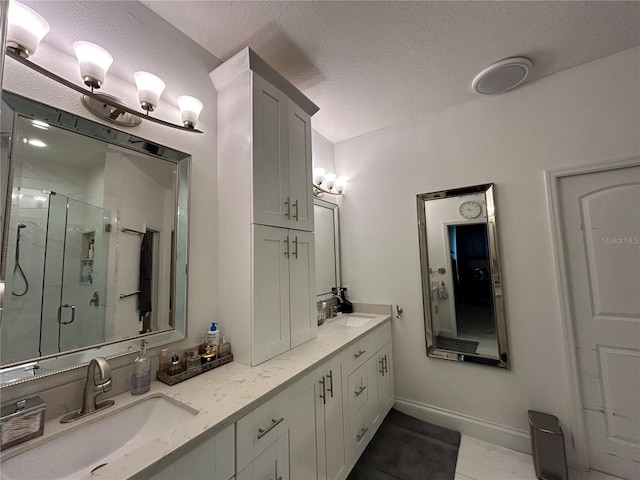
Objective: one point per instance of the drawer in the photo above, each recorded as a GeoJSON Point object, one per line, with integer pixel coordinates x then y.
{"type": "Point", "coordinates": [357, 354]}
{"type": "Point", "coordinates": [260, 428]}
{"type": "Point", "coordinates": [379, 337]}
{"type": "Point", "coordinates": [359, 434]}
{"type": "Point", "coordinates": [357, 390]}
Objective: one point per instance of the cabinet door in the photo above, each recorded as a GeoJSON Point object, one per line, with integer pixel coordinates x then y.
{"type": "Point", "coordinates": [270, 176]}
{"type": "Point", "coordinates": [335, 454]}
{"type": "Point", "coordinates": [300, 176]}
{"type": "Point", "coordinates": [386, 393]}
{"type": "Point", "coordinates": [302, 269]}
{"type": "Point", "coordinates": [271, 252]}
{"type": "Point", "coordinates": [305, 426]}
{"type": "Point", "coordinates": [380, 378]}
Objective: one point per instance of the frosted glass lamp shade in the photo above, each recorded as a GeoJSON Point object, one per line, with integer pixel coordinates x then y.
{"type": "Point", "coordinates": [190, 109]}
{"type": "Point", "coordinates": [318, 175]}
{"type": "Point", "coordinates": [330, 180]}
{"type": "Point", "coordinates": [150, 88]}
{"type": "Point", "coordinates": [340, 185]}
{"type": "Point", "coordinates": [94, 61]}
{"type": "Point", "coordinates": [26, 29]}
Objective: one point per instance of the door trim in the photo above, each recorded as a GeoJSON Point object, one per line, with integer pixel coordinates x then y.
{"type": "Point", "coordinates": [552, 178]}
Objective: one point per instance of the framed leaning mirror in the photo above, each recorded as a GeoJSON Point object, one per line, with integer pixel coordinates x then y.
{"type": "Point", "coordinates": [95, 237]}
{"type": "Point", "coordinates": [461, 280]}
{"type": "Point", "coordinates": [327, 237]}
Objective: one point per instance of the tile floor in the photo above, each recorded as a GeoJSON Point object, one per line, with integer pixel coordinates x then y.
{"type": "Point", "coordinates": [478, 460]}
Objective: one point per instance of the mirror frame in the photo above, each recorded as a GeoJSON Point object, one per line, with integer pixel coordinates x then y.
{"type": "Point", "coordinates": [496, 277]}
{"type": "Point", "coordinates": [78, 358]}
{"type": "Point", "coordinates": [336, 242]}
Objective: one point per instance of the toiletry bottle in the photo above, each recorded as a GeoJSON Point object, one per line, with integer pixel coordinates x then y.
{"type": "Point", "coordinates": [165, 362]}
{"type": "Point", "coordinates": [212, 335]}
{"type": "Point", "coordinates": [141, 377]}
{"type": "Point", "coordinates": [224, 348]}
{"type": "Point", "coordinates": [175, 367]}
{"type": "Point", "coordinates": [202, 346]}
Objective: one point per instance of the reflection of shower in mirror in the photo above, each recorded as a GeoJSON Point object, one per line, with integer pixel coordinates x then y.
{"type": "Point", "coordinates": [17, 269]}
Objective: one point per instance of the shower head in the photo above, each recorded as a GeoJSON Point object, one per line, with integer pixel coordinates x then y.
{"type": "Point", "coordinates": [21, 226]}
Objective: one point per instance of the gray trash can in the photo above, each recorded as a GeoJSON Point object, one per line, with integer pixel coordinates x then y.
{"type": "Point", "coordinates": [547, 447]}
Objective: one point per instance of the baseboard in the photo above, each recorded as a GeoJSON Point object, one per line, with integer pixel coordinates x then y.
{"type": "Point", "coordinates": [479, 428]}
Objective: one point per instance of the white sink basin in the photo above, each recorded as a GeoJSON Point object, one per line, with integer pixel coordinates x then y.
{"type": "Point", "coordinates": [75, 452]}
{"type": "Point", "coordinates": [353, 319]}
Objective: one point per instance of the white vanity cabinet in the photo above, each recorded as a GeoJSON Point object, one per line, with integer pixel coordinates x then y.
{"type": "Point", "coordinates": [368, 386]}
{"type": "Point", "coordinates": [208, 457]}
{"type": "Point", "coordinates": [317, 424]}
{"type": "Point", "coordinates": [266, 285]}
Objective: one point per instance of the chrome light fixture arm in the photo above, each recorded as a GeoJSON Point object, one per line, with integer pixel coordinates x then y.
{"type": "Point", "coordinates": [100, 98]}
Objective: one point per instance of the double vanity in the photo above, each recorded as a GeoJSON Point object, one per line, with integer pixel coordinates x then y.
{"type": "Point", "coordinates": [307, 413]}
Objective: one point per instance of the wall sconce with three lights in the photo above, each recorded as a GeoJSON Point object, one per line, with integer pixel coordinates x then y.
{"type": "Point", "coordinates": [327, 183]}
{"type": "Point", "coordinates": [27, 28]}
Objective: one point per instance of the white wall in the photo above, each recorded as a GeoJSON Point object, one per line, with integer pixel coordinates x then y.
{"type": "Point", "coordinates": [584, 115]}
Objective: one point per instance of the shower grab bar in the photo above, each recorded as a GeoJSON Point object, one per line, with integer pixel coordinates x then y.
{"type": "Point", "coordinates": [125, 295]}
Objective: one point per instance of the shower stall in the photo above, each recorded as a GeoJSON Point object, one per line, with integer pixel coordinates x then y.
{"type": "Point", "coordinates": [56, 280]}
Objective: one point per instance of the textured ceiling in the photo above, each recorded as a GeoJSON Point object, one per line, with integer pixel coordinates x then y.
{"type": "Point", "coordinates": [368, 65]}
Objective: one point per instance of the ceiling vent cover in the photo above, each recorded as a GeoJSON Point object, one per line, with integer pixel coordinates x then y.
{"type": "Point", "coordinates": [502, 76]}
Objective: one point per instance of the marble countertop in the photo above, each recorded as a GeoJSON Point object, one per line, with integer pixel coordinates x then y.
{"type": "Point", "coordinates": [221, 396]}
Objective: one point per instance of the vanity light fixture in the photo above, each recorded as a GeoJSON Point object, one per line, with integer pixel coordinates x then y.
{"type": "Point", "coordinates": [327, 183]}
{"type": "Point", "coordinates": [94, 61]}
{"type": "Point", "coordinates": [150, 88]}
{"type": "Point", "coordinates": [26, 29]}
{"type": "Point", "coordinates": [190, 108]}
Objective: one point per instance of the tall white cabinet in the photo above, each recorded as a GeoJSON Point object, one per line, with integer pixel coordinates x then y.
{"type": "Point", "coordinates": [266, 253]}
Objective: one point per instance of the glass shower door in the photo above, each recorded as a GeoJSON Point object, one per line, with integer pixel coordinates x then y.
{"type": "Point", "coordinates": [74, 302]}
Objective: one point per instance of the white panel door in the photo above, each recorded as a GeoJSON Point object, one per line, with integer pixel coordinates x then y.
{"type": "Point", "coordinates": [600, 224]}
{"type": "Point", "coordinates": [302, 274]}
{"type": "Point", "coordinates": [300, 176]}
{"type": "Point", "coordinates": [271, 252]}
{"type": "Point", "coordinates": [270, 181]}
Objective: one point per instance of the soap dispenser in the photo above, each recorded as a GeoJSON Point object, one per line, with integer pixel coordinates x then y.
{"type": "Point", "coordinates": [141, 377]}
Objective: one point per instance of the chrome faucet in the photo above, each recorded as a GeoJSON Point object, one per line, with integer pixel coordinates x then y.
{"type": "Point", "coordinates": [93, 387]}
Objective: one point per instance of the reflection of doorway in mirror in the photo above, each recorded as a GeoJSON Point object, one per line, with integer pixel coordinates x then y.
{"type": "Point", "coordinates": [471, 284]}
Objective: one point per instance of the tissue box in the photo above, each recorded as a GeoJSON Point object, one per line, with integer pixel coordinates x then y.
{"type": "Point", "coordinates": [22, 421]}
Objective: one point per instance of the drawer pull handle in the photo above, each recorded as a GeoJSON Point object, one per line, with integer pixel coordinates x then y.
{"type": "Point", "coordinates": [295, 205]}
{"type": "Point", "coordinates": [362, 433]}
{"type": "Point", "coordinates": [386, 364]}
{"type": "Point", "coordinates": [263, 431]}
{"type": "Point", "coordinates": [359, 354]}
{"type": "Point", "coordinates": [287, 250]}
{"type": "Point", "coordinates": [360, 390]}
{"type": "Point", "coordinates": [381, 361]}
{"type": "Point", "coordinates": [288, 205]}
{"type": "Point", "coordinates": [295, 244]}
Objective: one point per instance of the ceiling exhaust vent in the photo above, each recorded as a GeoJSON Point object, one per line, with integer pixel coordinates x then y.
{"type": "Point", "coordinates": [502, 76]}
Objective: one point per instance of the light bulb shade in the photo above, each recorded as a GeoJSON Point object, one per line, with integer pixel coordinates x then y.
{"type": "Point", "coordinates": [330, 180]}
{"type": "Point", "coordinates": [341, 183]}
{"type": "Point", "coordinates": [190, 108]}
{"type": "Point", "coordinates": [94, 61]}
{"type": "Point", "coordinates": [150, 88]}
{"type": "Point", "coordinates": [318, 175]}
{"type": "Point", "coordinates": [26, 29]}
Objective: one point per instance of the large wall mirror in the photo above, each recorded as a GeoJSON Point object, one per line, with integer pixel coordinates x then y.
{"type": "Point", "coordinates": [94, 252]}
{"type": "Point", "coordinates": [461, 280]}
{"type": "Point", "coordinates": [327, 236]}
